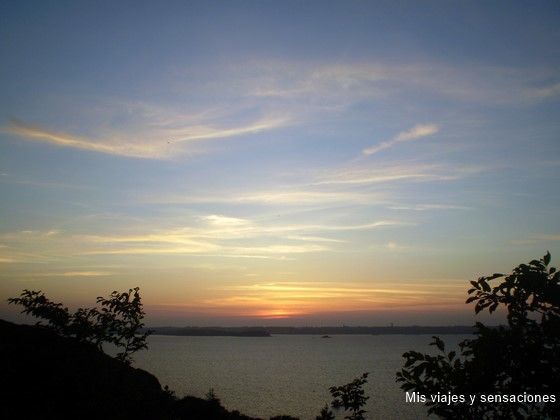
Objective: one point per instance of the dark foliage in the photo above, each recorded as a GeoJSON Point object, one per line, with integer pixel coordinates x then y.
{"type": "Point", "coordinates": [351, 397]}
{"type": "Point", "coordinates": [523, 357]}
{"type": "Point", "coordinates": [192, 408]}
{"type": "Point", "coordinates": [118, 321]}
{"type": "Point", "coordinates": [325, 414]}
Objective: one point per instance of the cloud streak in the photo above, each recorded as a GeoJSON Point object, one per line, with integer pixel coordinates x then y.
{"type": "Point", "coordinates": [211, 235]}
{"type": "Point", "coordinates": [415, 133]}
{"type": "Point", "coordinates": [383, 173]}
{"type": "Point", "coordinates": [194, 237]}
{"type": "Point", "coordinates": [37, 133]}
{"type": "Point", "coordinates": [537, 239]}
{"type": "Point", "coordinates": [280, 196]}
{"type": "Point", "coordinates": [156, 142]}
{"type": "Point", "coordinates": [327, 84]}
{"type": "Point", "coordinates": [292, 298]}
{"type": "Point", "coordinates": [77, 274]}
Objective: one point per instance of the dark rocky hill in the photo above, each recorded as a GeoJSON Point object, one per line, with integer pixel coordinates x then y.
{"type": "Point", "coordinates": [46, 376]}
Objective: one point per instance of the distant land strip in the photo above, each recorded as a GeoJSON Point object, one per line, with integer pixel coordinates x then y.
{"type": "Point", "coordinates": [269, 331]}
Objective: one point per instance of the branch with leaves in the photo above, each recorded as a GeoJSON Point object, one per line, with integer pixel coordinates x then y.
{"type": "Point", "coordinates": [351, 397]}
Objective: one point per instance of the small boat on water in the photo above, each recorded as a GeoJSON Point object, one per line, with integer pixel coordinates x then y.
{"type": "Point", "coordinates": [326, 336]}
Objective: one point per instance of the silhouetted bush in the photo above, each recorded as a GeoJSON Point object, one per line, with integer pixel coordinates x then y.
{"type": "Point", "coordinates": [325, 414]}
{"type": "Point", "coordinates": [118, 321]}
{"type": "Point", "coordinates": [514, 361]}
{"type": "Point", "coordinates": [351, 397]}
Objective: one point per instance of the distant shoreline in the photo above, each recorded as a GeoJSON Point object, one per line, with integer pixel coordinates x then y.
{"type": "Point", "coordinates": [269, 331]}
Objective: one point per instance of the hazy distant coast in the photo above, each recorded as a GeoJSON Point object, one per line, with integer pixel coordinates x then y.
{"type": "Point", "coordinates": [213, 331]}
{"type": "Point", "coordinates": [268, 331]}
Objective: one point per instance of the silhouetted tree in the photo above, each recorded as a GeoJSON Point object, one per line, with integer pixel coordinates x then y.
{"type": "Point", "coordinates": [211, 395]}
{"type": "Point", "coordinates": [351, 397]}
{"type": "Point", "coordinates": [512, 362]}
{"type": "Point", "coordinates": [118, 321]}
{"type": "Point", "coordinates": [326, 414]}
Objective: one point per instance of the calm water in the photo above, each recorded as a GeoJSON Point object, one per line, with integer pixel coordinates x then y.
{"type": "Point", "coordinates": [286, 374]}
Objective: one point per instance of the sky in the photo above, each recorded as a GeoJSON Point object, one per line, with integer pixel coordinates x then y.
{"type": "Point", "coordinates": [277, 162]}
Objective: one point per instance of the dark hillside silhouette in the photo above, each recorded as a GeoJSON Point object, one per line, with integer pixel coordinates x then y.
{"type": "Point", "coordinates": [47, 376]}
{"type": "Point", "coordinates": [59, 370]}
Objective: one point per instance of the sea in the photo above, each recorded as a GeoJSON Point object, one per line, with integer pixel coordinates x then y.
{"type": "Point", "coordinates": [287, 374]}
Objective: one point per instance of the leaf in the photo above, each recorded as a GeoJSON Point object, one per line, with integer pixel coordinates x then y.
{"type": "Point", "coordinates": [535, 263]}
{"type": "Point", "coordinates": [546, 258]}
{"type": "Point", "coordinates": [438, 342]}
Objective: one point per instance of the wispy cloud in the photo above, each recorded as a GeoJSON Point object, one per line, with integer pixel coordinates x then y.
{"type": "Point", "coordinates": [390, 173]}
{"type": "Point", "coordinates": [196, 133]}
{"type": "Point", "coordinates": [313, 238]}
{"type": "Point", "coordinates": [210, 235]}
{"type": "Point", "coordinates": [194, 238]}
{"type": "Point", "coordinates": [86, 273]}
{"type": "Point", "coordinates": [219, 220]}
{"type": "Point", "coordinates": [152, 142]}
{"type": "Point", "coordinates": [544, 92]}
{"type": "Point", "coordinates": [270, 299]}
{"type": "Point", "coordinates": [300, 195]}
{"type": "Point", "coordinates": [327, 84]}
{"type": "Point", "coordinates": [35, 132]}
{"type": "Point", "coordinates": [348, 184]}
{"type": "Point", "coordinates": [279, 249]}
{"type": "Point", "coordinates": [537, 239]}
{"type": "Point", "coordinates": [229, 237]}
{"type": "Point", "coordinates": [77, 274]}
{"type": "Point", "coordinates": [318, 287]}
{"type": "Point", "coordinates": [428, 207]}
{"type": "Point", "coordinates": [285, 93]}
{"type": "Point", "coordinates": [153, 250]}
{"type": "Point", "coordinates": [415, 133]}
{"type": "Point", "coordinates": [392, 246]}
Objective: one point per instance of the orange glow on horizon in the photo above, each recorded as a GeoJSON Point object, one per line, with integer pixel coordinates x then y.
{"type": "Point", "coordinates": [284, 300]}
{"type": "Point", "coordinates": [277, 314]}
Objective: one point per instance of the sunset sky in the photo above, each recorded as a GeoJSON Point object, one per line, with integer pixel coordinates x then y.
{"type": "Point", "coordinates": [277, 162]}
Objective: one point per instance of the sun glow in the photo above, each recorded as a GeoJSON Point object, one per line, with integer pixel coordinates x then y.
{"type": "Point", "coordinates": [281, 300]}
{"type": "Point", "coordinates": [277, 313]}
